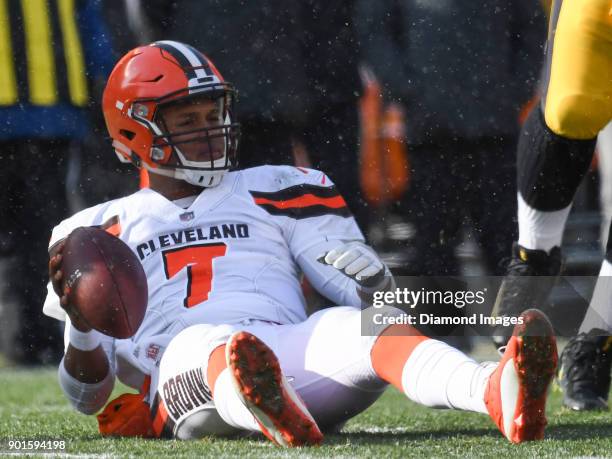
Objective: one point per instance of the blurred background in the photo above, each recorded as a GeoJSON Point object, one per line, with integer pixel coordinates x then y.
{"type": "Point", "coordinates": [412, 107]}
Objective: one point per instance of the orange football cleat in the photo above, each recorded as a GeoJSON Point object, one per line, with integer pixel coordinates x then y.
{"type": "Point", "coordinates": [516, 392]}
{"type": "Point", "coordinates": [260, 383]}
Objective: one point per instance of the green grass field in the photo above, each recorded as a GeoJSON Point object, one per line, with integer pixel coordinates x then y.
{"type": "Point", "coordinates": [32, 407]}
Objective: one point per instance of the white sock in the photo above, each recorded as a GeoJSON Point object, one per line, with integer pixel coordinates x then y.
{"type": "Point", "coordinates": [230, 407]}
{"type": "Point", "coordinates": [599, 313]}
{"type": "Point", "coordinates": [539, 230]}
{"type": "Point", "coordinates": [439, 376]}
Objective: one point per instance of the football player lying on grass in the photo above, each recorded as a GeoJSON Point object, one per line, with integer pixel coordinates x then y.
{"type": "Point", "coordinates": [225, 345]}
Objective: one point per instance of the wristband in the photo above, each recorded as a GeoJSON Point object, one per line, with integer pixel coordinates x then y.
{"type": "Point", "coordinates": [84, 341]}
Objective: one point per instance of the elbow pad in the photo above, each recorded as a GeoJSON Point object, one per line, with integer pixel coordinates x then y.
{"type": "Point", "coordinates": [85, 398]}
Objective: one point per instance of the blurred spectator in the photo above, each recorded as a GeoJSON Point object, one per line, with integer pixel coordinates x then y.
{"type": "Point", "coordinates": [51, 51]}
{"type": "Point", "coordinates": [331, 57]}
{"type": "Point", "coordinates": [462, 70]}
{"type": "Point", "coordinates": [295, 64]}
{"type": "Point", "coordinates": [604, 155]}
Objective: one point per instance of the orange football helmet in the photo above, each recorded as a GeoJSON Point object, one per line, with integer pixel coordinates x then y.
{"type": "Point", "coordinates": [151, 77]}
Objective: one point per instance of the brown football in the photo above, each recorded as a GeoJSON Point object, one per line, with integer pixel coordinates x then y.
{"type": "Point", "coordinates": [107, 285]}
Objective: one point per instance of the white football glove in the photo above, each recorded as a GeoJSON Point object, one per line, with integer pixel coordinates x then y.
{"type": "Point", "coordinates": [358, 261]}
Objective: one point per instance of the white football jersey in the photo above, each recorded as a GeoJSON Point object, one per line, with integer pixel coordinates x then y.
{"type": "Point", "coordinates": [236, 253]}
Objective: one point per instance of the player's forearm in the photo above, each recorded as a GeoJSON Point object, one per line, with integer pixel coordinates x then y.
{"type": "Point", "coordinates": [86, 366]}
{"type": "Point", "coordinates": [85, 373]}
{"type": "Point", "coordinates": [85, 359]}
{"type": "Point", "coordinates": [87, 398]}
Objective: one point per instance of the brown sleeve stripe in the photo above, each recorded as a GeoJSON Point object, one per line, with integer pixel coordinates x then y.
{"type": "Point", "coordinates": [302, 201]}
{"type": "Point", "coordinates": [297, 191]}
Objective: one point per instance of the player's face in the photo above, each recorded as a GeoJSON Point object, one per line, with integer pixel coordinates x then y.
{"type": "Point", "coordinates": [184, 121]}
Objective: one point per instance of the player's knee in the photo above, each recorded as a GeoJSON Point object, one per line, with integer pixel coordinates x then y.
{"type": "Point", "coordinates": [575, 117]}
{"type": "Point", "coordinates": [201, 424]}
{"type": "Point", "coordinates": [205, 338]}
{"type": "Point", "coordinates": [355, 329]}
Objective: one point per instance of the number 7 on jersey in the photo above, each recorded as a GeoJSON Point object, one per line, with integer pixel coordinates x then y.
{"type": "Point", "coordinates": [198, 260]}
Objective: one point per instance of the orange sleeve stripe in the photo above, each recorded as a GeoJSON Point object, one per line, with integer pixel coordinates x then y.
{"type": "Point", "coordinates": [112, 226]}
{"type": "Point", "coordinates": [307, 200]}
{"type": "Point", "coordinates": [115, 229]}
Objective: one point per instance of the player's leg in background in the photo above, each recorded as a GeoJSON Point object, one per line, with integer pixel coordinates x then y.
{"type": "Point", "coordinates": [604, 167]}
{"type": "Point", "coordinates": [556, 148]}
{"type": "Point", "coordinates": [584, 372]}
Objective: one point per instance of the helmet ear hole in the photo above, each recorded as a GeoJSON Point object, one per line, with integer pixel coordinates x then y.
{"type": "Point", "coordinates": [127, 134]}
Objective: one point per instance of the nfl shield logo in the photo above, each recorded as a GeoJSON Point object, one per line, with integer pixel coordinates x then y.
{"type": "Point", "coordinates": [187, 216]}
{"type": "Point", "coordinates": [153, 351]}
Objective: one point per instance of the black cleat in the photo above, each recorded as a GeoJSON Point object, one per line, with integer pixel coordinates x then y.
{"type": "Point", "coordinates": [530, 276]}
{"type": "Point", "coordinates": [584, 371]}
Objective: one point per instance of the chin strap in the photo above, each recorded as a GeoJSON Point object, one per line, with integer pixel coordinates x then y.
{"type": "Point", "coordinates": [205, 179]}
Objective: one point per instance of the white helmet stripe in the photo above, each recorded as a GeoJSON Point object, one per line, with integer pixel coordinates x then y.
{"type": "Point", "coordinates": [192, 58]}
